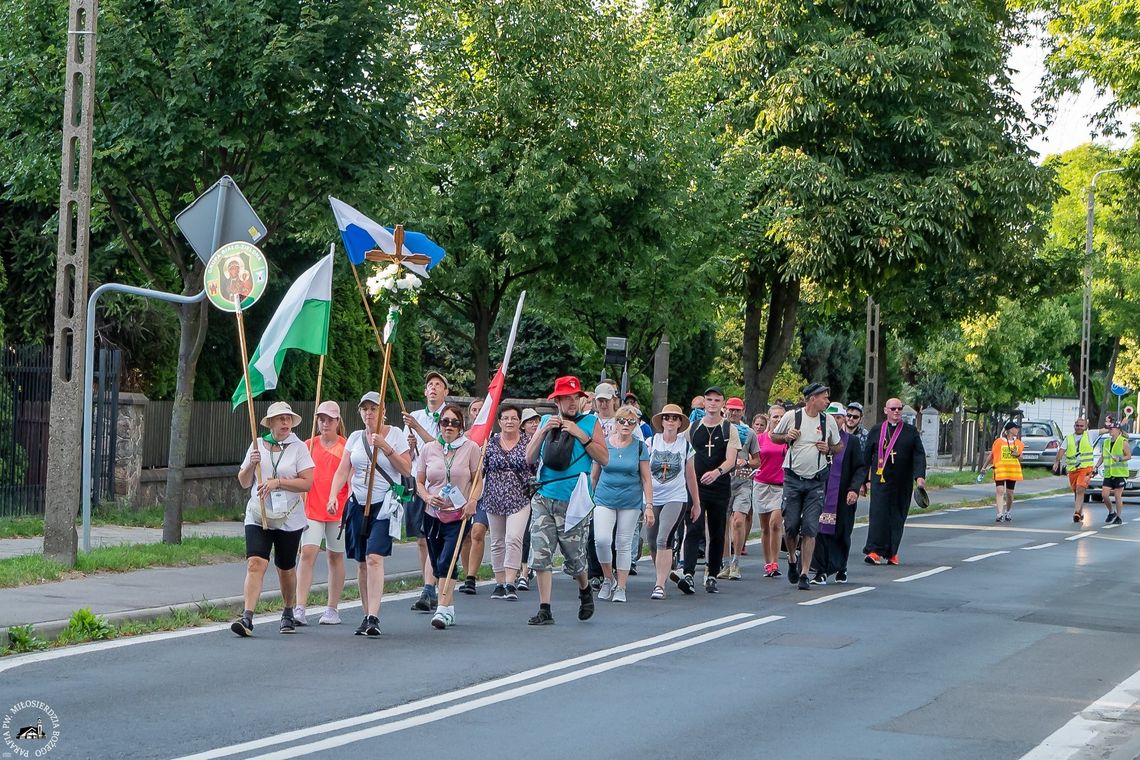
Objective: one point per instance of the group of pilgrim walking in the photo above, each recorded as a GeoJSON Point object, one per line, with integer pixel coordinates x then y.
{"type": "Point", "coordinates": [690, 486]}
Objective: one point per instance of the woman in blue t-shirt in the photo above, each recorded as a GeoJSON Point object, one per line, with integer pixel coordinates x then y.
{"type": "Point", "coordinates": [622, 488]}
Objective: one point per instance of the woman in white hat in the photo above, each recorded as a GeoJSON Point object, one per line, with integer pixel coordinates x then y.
{"type": "Point", "coordinates": [368, 539]}
{"type": "Point", "coordinates": [327, 449]}
{"type": "Point", "coordinates": [674, 486]}
{"type": "Point", "coordinates": [274, 515]}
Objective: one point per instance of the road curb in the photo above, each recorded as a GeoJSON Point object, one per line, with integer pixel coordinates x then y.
{"type": "Point", "coordinates": [51, 629]}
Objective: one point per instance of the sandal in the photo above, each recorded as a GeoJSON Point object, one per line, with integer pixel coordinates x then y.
{"type": "Point", "coordinates": [658, 593]}
{"type": "Point", "coordinates": [1078, 516]}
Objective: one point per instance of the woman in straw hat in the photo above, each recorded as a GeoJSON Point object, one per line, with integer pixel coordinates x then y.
{"type": "Point", "coordinates": [323, 514]}
{"type": "Point", "coordinates": [275, 501]}
{"type": "Point", "coordinates": [674, 487]}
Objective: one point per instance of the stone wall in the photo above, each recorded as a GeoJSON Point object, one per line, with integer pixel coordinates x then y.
{"type": "Point", "coordinates": [204, 487]}
{"type": "Point", "coordinates": [128, 446]}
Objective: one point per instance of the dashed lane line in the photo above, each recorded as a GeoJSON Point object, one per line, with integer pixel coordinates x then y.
{"type": "Point", "coordinates": [833, 597]}
{"type": "Point", "coordinates": [987, 555]}
{"type": "Point", "coordinates": [1038, 546]}
{"type": "Point", "coordinates": [1083, 534]}
{"type": "Point", "coordinates": [924, 574]}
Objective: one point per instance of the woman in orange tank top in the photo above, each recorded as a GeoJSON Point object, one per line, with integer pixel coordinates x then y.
{"type": "Point", "coordinates": [1005, 455]}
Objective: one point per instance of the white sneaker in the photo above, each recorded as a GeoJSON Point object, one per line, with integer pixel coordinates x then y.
{"type": "Point", "coordinates": [330, 617]}
{"type": "Point", "coordinates": [299, 616]}
{"type": "Point", "coordinates": [619, 594]}
{"type": "Point", "coordinates": [606, 592]}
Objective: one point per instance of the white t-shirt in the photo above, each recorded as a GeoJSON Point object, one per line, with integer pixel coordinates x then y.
{"type": "Point", "coordinates": [803, 458]}
{"type": "Point", "coordinates": [361, 463]}
{"type": "Point", "coordinates": [288, 463]}
{"type": "Point", "coordinates": [430, 423]}
{"type": "Point", "coordinates": [667, 465]}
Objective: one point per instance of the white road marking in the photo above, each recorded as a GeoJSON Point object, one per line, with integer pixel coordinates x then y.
{"type": "Point", "coordinates": [1112, 525]}
{"type": "Point", "coordinates": [989, 528]}
{"type": "Point", "coordinates": [334, 742]}
{"type": "Point", "coordinates": [987, 555]}
{"type": "Point", "coordinates": [923, 574]}
{"type": "Point", "coordinates": [1038, 546]}
{"type": "Point", "coordinates": [439, 699]}
{"type": "Point", "coordinates": [1094, 731]}
{"type": "Point", "coordinates": [832, 597]}
{"type": "Point", "coordinates": [1083, 534]}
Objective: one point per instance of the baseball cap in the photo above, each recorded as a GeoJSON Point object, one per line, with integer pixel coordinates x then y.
{"type": "Point", "coordinates": [371, 396]}
{"type": "Point", "coordinates": [605, 390]}
{"type": "Point", "coordinates": [835, 408]}
{"type": "Point", "coordinates": [715, 390]}
{"type": "Point", "coordinates": [814, 389]}
{"type": "Point", "coordinates": [734, 403]}
{"type": "Point", "coordinates": [442, 379]}
{"type": "Point", "coordinates": [329, 409]}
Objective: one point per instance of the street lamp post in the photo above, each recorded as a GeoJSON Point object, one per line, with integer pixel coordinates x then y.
{"type": "Point", "coordinates": [1086, 322]}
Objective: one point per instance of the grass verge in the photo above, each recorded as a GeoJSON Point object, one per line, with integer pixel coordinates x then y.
{"type": "Point", "coordinates": [34, 568]}
{"type": "Point", "coordinates": [969, 477]}
{"type": "Point", "coordinates": [114, 514]}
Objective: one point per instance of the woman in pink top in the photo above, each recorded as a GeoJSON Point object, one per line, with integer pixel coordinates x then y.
{"type": "Point", "coordinates": [447, 470]}
{"type": "Point", "coordinates": [768, 492]}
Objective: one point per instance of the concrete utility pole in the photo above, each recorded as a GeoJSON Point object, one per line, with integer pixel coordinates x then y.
{"type": "Point", "coordinates": [1086, 311]}
{"type": "Point", "coordinates": [660, 375]}
{"type": "Point", "coordinates": [61, 497]}
{"type": "Point", "coordinates": [871, 366]}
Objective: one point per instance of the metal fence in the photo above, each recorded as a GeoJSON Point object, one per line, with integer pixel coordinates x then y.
{"type": "Point", "coordinates": [25, 414]}
{"type": "Point", "coordinates": [219, 434]}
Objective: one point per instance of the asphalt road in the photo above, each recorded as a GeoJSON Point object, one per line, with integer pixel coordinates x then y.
{"type": "Point", "coordinates": [987, 658]}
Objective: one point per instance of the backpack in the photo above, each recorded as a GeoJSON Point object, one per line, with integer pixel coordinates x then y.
{"type": "Point", "coordinates": [558, 449]}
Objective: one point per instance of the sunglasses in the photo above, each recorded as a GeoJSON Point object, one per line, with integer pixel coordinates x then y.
{"type": "Point", "coordinates": [894, 408]}
{"type": "Point", "coordinates": [673, 417]}
{"type": "Point", "coordinates": [448, 422]}
{"type": "Point", "coordinates": [625, 421]}
{"type": "Point", "coordinates": [854, 416]}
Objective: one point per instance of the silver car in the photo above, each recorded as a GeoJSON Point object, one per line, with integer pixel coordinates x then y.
{"type": "Point", "coordinates": [1042, 439]}
{"type": "Point", "coordinates": [1131, 484]}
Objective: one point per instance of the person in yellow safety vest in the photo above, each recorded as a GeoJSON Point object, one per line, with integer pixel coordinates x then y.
{"type": "Point", "coordinates": [1006, 458]}
{"type": "Point", "coordinates": [1115, 454]}
{"type": "Point", "coordinates": [1077, 451]}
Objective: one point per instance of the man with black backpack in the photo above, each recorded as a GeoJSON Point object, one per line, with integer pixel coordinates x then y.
{"type": "Point", "coordinates": [715, 445]}
{"type": "Point", "coordinates": [812, 438]}
{"type": "Point", "coordinates": [567, 444]}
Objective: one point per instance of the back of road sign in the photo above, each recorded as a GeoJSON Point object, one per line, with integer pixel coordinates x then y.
{"type": "Point", "coordinates": [220, 215]}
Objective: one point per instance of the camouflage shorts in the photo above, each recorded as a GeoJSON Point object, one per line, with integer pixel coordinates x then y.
{"type": "Point", "coordinates": [547, 533]}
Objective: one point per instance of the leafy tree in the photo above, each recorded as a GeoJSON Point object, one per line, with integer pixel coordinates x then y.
{"type": "Point", "coordinates": [870, 146]}
{"type": "Point", "coordinates": [833, 357]}
{"type": "Point", "coordinates": [292, 100]}
{"type": "Point", "coordinates": [541, 164]}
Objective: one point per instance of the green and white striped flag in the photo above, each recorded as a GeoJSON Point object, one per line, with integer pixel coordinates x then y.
{"type": "Point", "coordinates": [301, 321]}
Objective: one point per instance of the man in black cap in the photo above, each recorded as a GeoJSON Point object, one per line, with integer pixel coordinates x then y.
{"type": "Point", "coordinates": [812, 437]}
{"type": "Point", "coordinates": [715, 444]}
{"type": "Point", "coordinates": [854, 424]}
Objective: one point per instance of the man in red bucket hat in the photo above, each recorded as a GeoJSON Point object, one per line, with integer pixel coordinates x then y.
{"type": "Point", "coordinates": [567, 444]}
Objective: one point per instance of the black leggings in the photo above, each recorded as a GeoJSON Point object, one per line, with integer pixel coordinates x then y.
{"type": "Point", "coordinates": [714, 510]}
{"type": "Point", "coordinates": [284, 543]}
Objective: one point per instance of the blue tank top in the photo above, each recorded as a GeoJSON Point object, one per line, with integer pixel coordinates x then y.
{"type": "Point", "coordinates": [563, 481]}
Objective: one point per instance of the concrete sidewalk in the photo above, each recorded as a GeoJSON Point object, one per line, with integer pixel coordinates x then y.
{"type": "Point", "coordinates": [146, 594]}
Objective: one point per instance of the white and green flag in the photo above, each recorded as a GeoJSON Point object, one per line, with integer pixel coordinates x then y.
{"type": "Point", "coordinates": [301, 321]}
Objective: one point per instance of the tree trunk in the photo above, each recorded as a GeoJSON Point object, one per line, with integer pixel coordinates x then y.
{"type": "Point", "coordinates": [1108, 376]}
{"type": "Point", "coordinates": [192, 320]}
{"type": "Point", "coordinates": [763, 362]}
{"type": "Point", "coordinates": [481, 347]}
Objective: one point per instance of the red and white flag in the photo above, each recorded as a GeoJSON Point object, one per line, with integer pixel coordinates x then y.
{"type": "Point", "coordinates": [481, 429]}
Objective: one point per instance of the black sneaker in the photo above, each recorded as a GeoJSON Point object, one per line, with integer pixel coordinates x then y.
{"type": "Point", "coordinates": [500, 592]}
{"type": "Point", "coordinates": [1108, 518]}
{"type": "Point", "coordinates": [793, 571]}
{"type": "Point", "coordinates": [710, 585]}
{"type": "Point", "coordinates": [423, 604]}
{"type": "Point", "coordinates": [523, 584]}
{"type": "Point", "coordinates": [633, 569]}
{"type": "Point", "coordinates": [287, 623]}
{"type": "Point", "coordinates": [686, 584]}
{"type": "Point", "coordinates": [1117, 521]}
{"type": "Point", "coordinates": [509, 593]}
{"type": "Point", "coordinates": [804, 584]}
{"type": "Point", "coordinates": [468, 586]}
{"type": "Point", "coordinates": [585, 604]}
{"type": "Point", "coordinates": [360, 629]}
{"type": "Point", "coordinates": [819, 580]}
{"type": "Point", "coordinates": [543, 617]}
{"type": "Point", "coordinates": [841, 576]}
{"type": "Point", "coordinates": [372, 630]}
{"type": "Point", "coordinates": [243, 627]}
{"type": "Point", "coordinates": [595, 583]}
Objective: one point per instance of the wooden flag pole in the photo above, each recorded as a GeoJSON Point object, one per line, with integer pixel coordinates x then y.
{"type": "Point", "coordinates": [249, 403]}
{"type": "Point", "coordinates": [320, 376]}
{"type": "Point", "coordinates": [375, 330]}
{"type": "Point", "coordinates": [399, 236]}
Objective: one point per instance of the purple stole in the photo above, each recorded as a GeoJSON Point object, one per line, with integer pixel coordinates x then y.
{"type": "Point", "coordinates": [831, 491]}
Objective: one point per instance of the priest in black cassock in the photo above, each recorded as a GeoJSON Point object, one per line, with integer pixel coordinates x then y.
{"type": "Point", "coordinates": [895, 461]}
